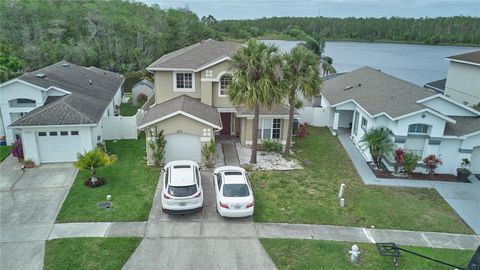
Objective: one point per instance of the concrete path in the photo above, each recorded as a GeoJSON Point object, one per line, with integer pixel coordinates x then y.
{"type": "Point", "coordinates": [230, 154]}
{"type": "Point", "coordinates": [464, 198]}
{"type": "Point", "coordinates": [29, 204]}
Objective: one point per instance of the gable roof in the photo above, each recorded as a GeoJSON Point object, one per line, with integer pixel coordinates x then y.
{"type": "Point", "coordinates": [438, 86]}
{"type": "Point", "coordinates": [463, 126]}
{"type": "Point", "coordinates": [184, 105]}
{"type": "Point", "coordinates": [195, 56]}
{"type": "Point", "coordinates": [144, 82]}
{"type": "Point", "coordinates": [90, 92]}
{"type": "Point", "coordinates": [472, 58]}
{"type": "Point", "coordinates": [376, 92]}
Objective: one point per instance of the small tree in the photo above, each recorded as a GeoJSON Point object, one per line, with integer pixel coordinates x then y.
{"type": "Point", "coordinates": [410, 163]}
{"type": "Point", "coordinates": [93, 160]}
{"type": "Point", "coordinates": [157, 144]}
{"type": "Point", "coordinates": [379, 143]}
{"type": "Point", "coordinates": [208, 154]}
{"type": "Point", "coordinates": [432, 162]}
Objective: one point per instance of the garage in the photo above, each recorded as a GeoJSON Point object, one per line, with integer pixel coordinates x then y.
{"type": "Point", "coordinates": [475, 160]}
{"type": "Point", "coordinates": [182, 146]}
{"type": "Point", "coordinates": [58, 146]}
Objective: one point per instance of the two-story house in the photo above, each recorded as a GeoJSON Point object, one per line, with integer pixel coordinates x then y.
{"type": "Point", "coordinates": [463, 79]}
{"type": "Point", "coordinates": [420, 121]}
{"type": "Point", "coordinates": [57, 111]}
{"type": "Point", "coordinates": [192, 105]}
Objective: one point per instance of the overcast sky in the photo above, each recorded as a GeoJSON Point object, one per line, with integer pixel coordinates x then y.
{"type": "Point", "coordinates": [241, 9]}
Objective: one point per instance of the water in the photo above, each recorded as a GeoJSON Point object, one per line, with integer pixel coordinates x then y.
{"type": "Point", "coordinates": [418, 64]}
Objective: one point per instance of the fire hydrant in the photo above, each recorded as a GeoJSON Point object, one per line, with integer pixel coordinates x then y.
{"type": "Point", "coordinates": [355, 253]}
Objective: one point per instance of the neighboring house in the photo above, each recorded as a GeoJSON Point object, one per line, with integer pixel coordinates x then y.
{"type": "Point", "coordinates": [463, 79]}
{"type": "Point", "coordinates": [192, 106]}
{"type": "Point", "coordinates": [57, 111]}
{"type": "Point", "coordinates": [142, 87]}
{"type": "Point", "coordinates": [420, 121]}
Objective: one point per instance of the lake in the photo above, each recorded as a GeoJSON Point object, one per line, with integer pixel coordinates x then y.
{"type": "Point", "coordinates": [415, 63]}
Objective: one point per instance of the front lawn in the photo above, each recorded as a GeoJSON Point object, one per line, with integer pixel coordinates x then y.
{"type": "Point", "coordinates": [314, 254]}
{"type": "Point", "coordinates": [311, 195]}
{"type": "Point", "coordinates": [89, 253]}
{"type": "Point", "coordinates": [4, 151]}
{"type": "Point", "coordinates": [130, 182]}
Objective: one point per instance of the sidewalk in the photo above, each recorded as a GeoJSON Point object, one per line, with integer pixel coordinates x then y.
{"type": "Point", "coordinates": [464, 198]}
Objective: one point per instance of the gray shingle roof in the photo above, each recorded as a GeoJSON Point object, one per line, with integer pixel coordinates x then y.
{"type": "Point", "coordinates": [471, 57]}
{"type": "Point", "coordinates": [279, 109]}
{"type": "Point", "coordinates": [86, 103]}
{"type": "Point", "coordinates": [185, 104]}
{"type": "Point", "coordinates": [437, 85]}
{"type": "Point", "coordinates": [376, 92]}
{"type": "Point", "coordinates": [463, 126]}
{"type": "Point", "coordinates": [144, 82]}
{"type": "Point", "coordinates": [196, 55]}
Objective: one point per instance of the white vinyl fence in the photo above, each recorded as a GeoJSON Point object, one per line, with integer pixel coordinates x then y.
{"type": "Point", "coordinates": [120, 127]}
{"type": "Point", "coordinates": [315, 116]}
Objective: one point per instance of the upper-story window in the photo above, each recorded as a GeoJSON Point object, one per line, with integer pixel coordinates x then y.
{"type": "Point", "coordinates": [418, 129]}
{"type": "Point", "coordinates": [223, 84]}
{"type": "Point", "coordinates": [184, 82]}
{"type": "Point", "coordinates": [22, 102]}
{"type": "Point", "coordinates": [364, 123]}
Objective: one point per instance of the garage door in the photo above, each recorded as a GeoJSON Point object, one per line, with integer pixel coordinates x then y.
{"type": "Point", "coordinates": [475, 160]}
{"type": "Point", "coordinates": [58, 146]}
{"type": "Point", "coordinates": [182, 147]}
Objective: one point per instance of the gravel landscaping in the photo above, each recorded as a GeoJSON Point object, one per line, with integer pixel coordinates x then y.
{"type": "Point", "coordinates": [267, 161]}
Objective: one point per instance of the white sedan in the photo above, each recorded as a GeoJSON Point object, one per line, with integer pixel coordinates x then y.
{"type": "Point", "coordinates": [234, 196]}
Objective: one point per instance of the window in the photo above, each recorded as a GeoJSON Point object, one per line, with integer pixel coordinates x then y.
{"type": "Point", "coordinates": [224, 81]}
{"type": "Point", "coordinates": [219, 181]}
{"type": "Point", "coordinates": [184, 81]}
{"type": "Point", "coordinates": [42, 134]}
{"type": "Point", "coordinates": [418, 129]}
{"type": "Point", "coordinates": [269, 128]}
{"type": "Point", "coordinates": [166, 177]}
{"type": "Point", "coordinates": [74, 133]}
{"type": "Point", "coordinates": [25, 100]}
{"type": "Point", "coordinates": [64, 133]}
{"type": "Point", "coordinates": [53, 133]}
{"type": "Point", "coordinates": [182, 191]}
{"type": "Point", "coordinates": [364, 123]}
{"type": "Point", "coordinates": [235, 190]}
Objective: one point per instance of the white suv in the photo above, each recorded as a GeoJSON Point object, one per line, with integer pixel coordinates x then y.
{"type": "Point", "coordinates": [233, 192]}
{"type": "Point", "coordinates": [182, 187]}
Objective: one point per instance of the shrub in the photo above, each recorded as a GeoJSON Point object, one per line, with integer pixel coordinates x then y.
{"type": "Point", "coordinates": [432, 162]}
{"type": "Point", "coordinates": [141, 99]}
{"type": "Point", "coordinates": [157, 144]}
{"type": "Point", "coordinates": [399, 156]}
{"type": "Point", "coordinates": [379, 143]}
{"type": "Point", "coordinates": [464, 166]}
{"type": "Point", "coordinates": [208, 154]}
{"type": "Point", "coordinates": [303, 130]}
{"type": "Point", "coordinates": [271, 146]}
{"type": "Point", "coordinates": [17, 149]}
{"type": "Point", "coordinates": [410, 162]}
{"type": "Point", "coordinates": [92, 160]}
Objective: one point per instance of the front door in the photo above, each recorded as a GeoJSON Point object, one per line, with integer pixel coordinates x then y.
{"type": "Point", "coordinates": [226, 118]}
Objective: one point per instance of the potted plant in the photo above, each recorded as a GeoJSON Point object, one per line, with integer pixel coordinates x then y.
{"type": "Point", "coordinates": [17, 150]}
{"type": "Point", "coordinates": [28, 164]}
{"type": "Point", "coordinates": [463, 172]}
{"type": "Point", "coordinates": [432, 162]}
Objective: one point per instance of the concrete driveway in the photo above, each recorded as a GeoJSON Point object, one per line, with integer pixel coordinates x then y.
{"type": "Point", "coordinates": [199, 241]}
{"type": "Point", "coordinates": [29, 203]}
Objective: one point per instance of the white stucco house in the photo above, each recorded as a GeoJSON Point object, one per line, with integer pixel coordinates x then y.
{"type": "Point", "coordinates": [57, 111]}
{"type": "Point", "coordinates": [421, 121]}
{"type": "Point", "coordinates": [142, 87]}
{"type": "Point", "coordinates": [463, 79]}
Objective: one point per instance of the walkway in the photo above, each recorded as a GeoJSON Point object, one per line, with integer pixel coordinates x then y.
{"type": "Point", "coordinates": [230, 154]}
{"type": "Point", "coordinates": [464, 198]}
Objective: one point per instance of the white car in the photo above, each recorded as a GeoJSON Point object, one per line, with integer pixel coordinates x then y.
{"type": "Point", "coordinates": [234, 196]}
{"type": "Point", "coordinates": [182, 187]}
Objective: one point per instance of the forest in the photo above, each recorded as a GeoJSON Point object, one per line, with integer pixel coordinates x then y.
{"type": "Point", "coordinates": [126, 36]}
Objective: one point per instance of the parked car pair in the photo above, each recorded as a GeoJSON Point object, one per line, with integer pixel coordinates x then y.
{"type": "Point", "coordinates": [183, 193]}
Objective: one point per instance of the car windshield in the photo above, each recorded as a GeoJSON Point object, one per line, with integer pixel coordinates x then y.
{"type": "Point", "coordinates": [184, 191]}
{"type": "Point", "coordinates": [235, 190]}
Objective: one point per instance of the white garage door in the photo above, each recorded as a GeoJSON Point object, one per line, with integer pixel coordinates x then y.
{"type": "Point", "coordinates": [58, 146]}
{"type": "Point", "coordinates": [182, 147]}
{"type": "Point", "coordinates": [475, 160]}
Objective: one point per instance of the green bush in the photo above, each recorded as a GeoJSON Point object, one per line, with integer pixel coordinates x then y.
{"type": "Point", "coordinates": [271, 146]}
{"type": "Point", "coordinates": [208, 154]}
{"type": "Point", "coordinates": [410, 162]}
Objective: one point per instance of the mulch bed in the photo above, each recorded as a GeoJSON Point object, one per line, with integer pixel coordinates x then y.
{"type": "Point", "coordinates": [384, 173]}
{"type": "Point", "coordinates": [98, 183]}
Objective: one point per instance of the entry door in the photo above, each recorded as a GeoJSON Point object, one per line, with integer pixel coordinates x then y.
{"type": "Point", "coordinates": [226, 118]}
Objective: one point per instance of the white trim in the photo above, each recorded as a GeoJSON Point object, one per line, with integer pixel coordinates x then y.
{"type": "Point", "coordinates": [469, 135]}
{"type": "Point", "coordinates": [24, 82]}
{"type": "Point", "coordinates": [51, 126]}
{"type": "Point", "coordinates": [177, 113]}
{"type": "Point", "coordinates": [251, 116]}
{"type": "Point", "coordinates": [214, 62]}
{"type": "Point", "coordinates": [227, 110]}
{"type": "Point", "coordinates": [429, 87]}
{"type": "Point", "coordinates": [183, 90]}
{"type": "Point", "coordinates": [220, 75]}
{"type": "Point", "coordinates": [171, 69]}
{"type": "Point", "coordinates": [463, 62]}
{"type": "Point", "coordinates": [59, 89]}
{"type": "Point", "coordinates": [451, 101]}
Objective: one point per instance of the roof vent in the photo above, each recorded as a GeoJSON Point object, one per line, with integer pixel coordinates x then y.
{"type": "Point", "coordinates": [65, 65]}
{"type": "Point", "coordinates": [348, 87]}
{"type": "Point", "coordinates": [40, 75]}
{"type": "Point", "coordinates": [90, 81]}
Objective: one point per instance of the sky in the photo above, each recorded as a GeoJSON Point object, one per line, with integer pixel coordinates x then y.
{"type": "Point", "coordinates": [249, 9]}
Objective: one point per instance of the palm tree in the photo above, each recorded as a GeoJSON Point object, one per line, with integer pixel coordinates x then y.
{"type": "Point", "coordinates": [257, 81]}
{"type": "Point", "coordinates": [92, 160]}
{"type": "Point", "coordinates": [317, 44]}
{"type": "Point", "coordinates": [379, 143]}
{"type": "Point", "coordinates": [301, 75]}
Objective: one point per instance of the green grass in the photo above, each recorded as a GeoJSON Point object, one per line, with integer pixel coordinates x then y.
{"type": "Point", "coordinates": [314, 254]}
{"type": "Point", "coordinates": [128, 109]}
{"type": "Point", "coordinates": [130, 182]}
{"type": "Point", "coordinates": [89, 253]}
{"type": "Point", "coordinates": [4, 151]}
{"type": "Point", "coordinates": [311, 195]}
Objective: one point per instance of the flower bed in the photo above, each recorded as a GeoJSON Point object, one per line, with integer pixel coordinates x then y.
{"type": "Point", "coordinates": [384, 173]}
